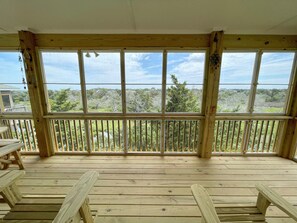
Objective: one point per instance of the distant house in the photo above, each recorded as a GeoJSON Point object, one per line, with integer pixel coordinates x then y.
{"type": "Point", "coordinates": [6, 101]}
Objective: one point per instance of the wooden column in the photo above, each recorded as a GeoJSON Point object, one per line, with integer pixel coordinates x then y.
{"type": "Point", "coordinates": [36, 92]}
{"type": "Point", "coordinates": [211, 92]}
{"type": "Point", "coordinates": [289, 135]}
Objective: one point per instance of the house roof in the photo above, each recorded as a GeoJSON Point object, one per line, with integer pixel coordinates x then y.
{"type": "Point", "coordinates": [7, 87]}
{"type": "Point", "coordinates": [150, 16]}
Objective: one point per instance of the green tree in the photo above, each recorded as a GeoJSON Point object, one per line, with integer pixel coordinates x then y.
{"type": "Point", "coordinates": [180, 98]}
{"type": "Point", "coordinates": [60, 101]}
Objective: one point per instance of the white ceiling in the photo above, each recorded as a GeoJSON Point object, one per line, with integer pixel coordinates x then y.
{"type": "Point", "coordinates": [149, 16]}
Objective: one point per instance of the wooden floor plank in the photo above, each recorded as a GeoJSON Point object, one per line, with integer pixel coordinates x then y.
{"type": "Point", "coordinates": [143, 189]}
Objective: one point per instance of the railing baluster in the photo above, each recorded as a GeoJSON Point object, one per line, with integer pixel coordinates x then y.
{"type": "Point", "coordinates": [22, 134]}
{"type": "Point", "coordinates": [190, 137]}
{"type": "Point", "coordinates": [217, 135]}
{"type": "Point", "coordinates": [146, 135]}
{"type": "Point", "coordinates": [140, 135]}
{"type": "Point", "coordinates": [33, 134]}
{"type": "Point", "coordinates": [173, 131]}
{"type": "Point", "coordinates": [81, 136]}
{"type": "Point", "coordinates": [119, 135]}
{"type": "Point", "coordinates": [195, 136]}
{"type": "Point", "coordinates": [92, 135]}
{"type": "Point", "coordinates": [97, 135]}
{"type": "Point", "coordinates": [55, 134]}
{"type": "Point", "coordinates": [130, 136]}
{"type": "Point", "coordinates": [65, 135]}
{"type": "Point", "coordinates": [227, 137]}
{"type": "Point", "coordinates": [28, 135]}
{"type": "Point", "coordinates": [135, 136]}
{"type": "Point", "coordinates": [276, 134]}
{"type": "Point", "coordinates": [113, 136]}
{"type": "Point", "coordinates": [167, 137]}
{"type": "Point", "coordinates": [222, 136]}
{"type": "Point", "coordinates": [152, 147]}
{"type": "Point", "coordinates": [157, 136]}
{"type": "Point", "coordinates": [233, 133]}
{"type": "Point", "coordinates": [260, 134]}
{"type": "Point", "coordinates": [76, 135]}
{"type": "Point", "coordinates": [264, 140]}
{"type": "Point", "coordinates": [60, 135]}
{"type": "Point", "coordinates": [238, 135]}
{"type": "Point", "coordinates": [108, 136]}
{"type": "Point", "coordinates": [254, 138]}
{"type": "Point", "coordinates": [270, 136]}
{"type": "Point", "coordinates": [7, 123]}
{"type": "Point", "coordinates": [102, 132]}
{"type": "Point", "coordinates": [16, 129]}
{"type": "Point", "coordinates": [178, 137]}
{"type": "Point", "coordinates": [184, 141]}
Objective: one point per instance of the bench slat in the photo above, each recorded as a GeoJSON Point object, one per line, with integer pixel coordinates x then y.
{"type": "Point", "coordinates": [10, 148]}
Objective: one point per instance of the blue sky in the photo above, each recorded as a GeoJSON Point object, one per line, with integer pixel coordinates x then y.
{"type": "Point", "coordinates": [237, 68]}
{"type": "Point", "coordinates": [144, 69]}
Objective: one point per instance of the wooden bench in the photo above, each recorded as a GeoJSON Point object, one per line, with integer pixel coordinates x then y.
{"type": "Point", "coordinates": [11, 149]}
{"type": "Point", "coordinates": [5, 142]}
{"type": "Point", "coordinates": [73, 208]}
{"type": "Point", "coordinates": [236, 213]}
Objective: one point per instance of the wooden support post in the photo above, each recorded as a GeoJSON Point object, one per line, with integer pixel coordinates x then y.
{"type": "Point", "coordinates": [287, 145]}
{"type": "Point", "coordinates": [211, 91]}
{"type": "Point", "coordinates": [36, 93]}
{"type": "Point", "coordinates": [163, 122]}
{"type": "Point", "coordinates": [124, 107]}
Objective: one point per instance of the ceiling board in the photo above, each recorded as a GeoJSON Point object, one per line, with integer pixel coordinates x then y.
{"type": "Point", "coordinates": [149, 16]}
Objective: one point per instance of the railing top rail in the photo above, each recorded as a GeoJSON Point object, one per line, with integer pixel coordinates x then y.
{"type": "Point", "coordinates": [16, 116]}
{"type": "Point", "coordinates": [254, 117]}
{"type": "Point", "coordinates": [125, 117]}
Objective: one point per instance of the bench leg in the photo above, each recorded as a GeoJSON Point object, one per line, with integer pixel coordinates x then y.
{"type": "Point", "coordinates": [18, 159]}
{"type": "Point", "coordinates": [4, 162]}
{"type": "Point", "coordinates": [85, 212]}
{"type": "Point", "coordinates": [11, 195]}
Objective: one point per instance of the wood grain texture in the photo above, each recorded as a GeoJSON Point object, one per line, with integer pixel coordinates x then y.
{"type": "Point", "coordinates": [154, 188]}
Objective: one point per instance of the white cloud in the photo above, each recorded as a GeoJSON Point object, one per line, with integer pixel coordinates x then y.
{"type": "Point", "coordinates": [143, 68]}
{"type": "Point", "coordinates": [190, 68]}
{"type": "Point", "coordinates": [237, 67]}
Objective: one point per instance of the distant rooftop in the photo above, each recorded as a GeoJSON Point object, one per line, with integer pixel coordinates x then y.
{"type": "Point", "coordinates": [7, 87]}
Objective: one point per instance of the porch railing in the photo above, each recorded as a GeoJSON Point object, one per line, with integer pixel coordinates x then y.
{"type": "Point", "coordinates": [246, 136]}
{"type": "Point", "coordinates": [24, 130]}
{"type": "Point", "coordinates": [232, 135]}
{"type": "Point", "coordinates": [142, 135]}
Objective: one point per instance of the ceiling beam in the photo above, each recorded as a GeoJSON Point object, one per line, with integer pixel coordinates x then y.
{"type": "Point", "coordinates": [66, 41]}
{"type": "Point", "coordinates": [9, 41]}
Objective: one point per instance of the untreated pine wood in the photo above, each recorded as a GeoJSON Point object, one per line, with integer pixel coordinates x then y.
{"type": "Point", "coordinates": [74, 207]}
{"type": "Point", "coordinates": [287, 144]}
{"type": "Point", "coordinates": [270, 196]}
{"type": "Point", "coordinates": [76, 201]}
{"type": "Point", "coordinates": [11, 149]}
{"type": "Point", "coordinates": [121, 40]}
{"type": "Point", "coordinates": [9, 41]}
{"type": "Point", "coordinates": [7, 187]}
{"type": "Point", "coordinates": [278, 42]}
{"type": "Point", "coordinates": [36, 92]}
{"type": "Point", "coordinates": [212, 88]}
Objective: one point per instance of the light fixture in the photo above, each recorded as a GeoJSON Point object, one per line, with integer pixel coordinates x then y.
{"type": "Point", "coordinates": [88, 55]}
{"type": "Point", "coordinates": [96, 54]}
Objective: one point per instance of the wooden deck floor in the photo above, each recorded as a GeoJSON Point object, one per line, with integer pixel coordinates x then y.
{"type": "Point", "coordinates": [139, 189]}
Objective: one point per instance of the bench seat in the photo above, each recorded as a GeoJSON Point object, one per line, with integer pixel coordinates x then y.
{"type": "Point", "coordinates": [44, 209]}
{"type": "Point", "coordinates": [8, 150]}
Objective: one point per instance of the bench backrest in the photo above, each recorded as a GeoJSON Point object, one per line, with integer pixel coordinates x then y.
{"type": "Point", "coordinates": [75, 204]}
